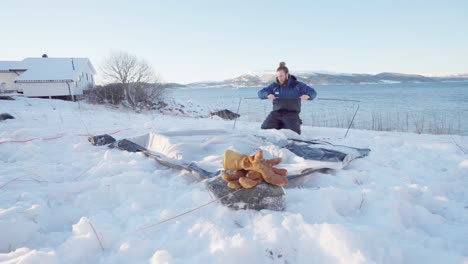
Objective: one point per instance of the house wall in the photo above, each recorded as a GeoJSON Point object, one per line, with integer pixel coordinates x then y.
{"type": "Point", "coordinates": [83, 82]}
{"type": "Point", "coordinates": [86, 79]}
{"type": "Point", "coordinates": [7, 81]}
{"type": "Point", "coordinates": [48, 89]}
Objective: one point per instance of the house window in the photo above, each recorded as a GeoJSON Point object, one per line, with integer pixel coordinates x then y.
{"type": "Point", "coordinates": [87, 79]}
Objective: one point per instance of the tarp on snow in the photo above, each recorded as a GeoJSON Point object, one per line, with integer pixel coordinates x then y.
{"type": "Point", "coordinates": [201, 151]}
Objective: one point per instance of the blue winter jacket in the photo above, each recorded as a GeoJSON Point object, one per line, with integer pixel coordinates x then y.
{"type": "Point", "coordinates": [288, 95]}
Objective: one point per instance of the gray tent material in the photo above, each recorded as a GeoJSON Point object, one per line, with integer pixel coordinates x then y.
{"type": "Point", "coordinates": [130, 146]}
{"type": "Point", "coordinates": [127, 145]}
{"type": "Point", "coordinates": [318, 155]}
{"type": "Point", "coordinates": [5, 97]}
{"type": "Point", "coordinates": [187, 150]}
{"type": "Point", "coordinates": [324, 151]}
{"type": "Point", "coordinates": [6, 116]}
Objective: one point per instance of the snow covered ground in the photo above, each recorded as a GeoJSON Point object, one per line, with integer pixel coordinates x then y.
{"type": "Point", "coordinates": [63, 200]}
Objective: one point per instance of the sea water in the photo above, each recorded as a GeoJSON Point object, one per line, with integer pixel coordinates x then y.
{"type": "Point", "coordinates": [437, 108]}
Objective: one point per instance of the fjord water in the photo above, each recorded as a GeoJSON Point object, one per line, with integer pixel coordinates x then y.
{"type": "Point", "coordinates": [438, 107]}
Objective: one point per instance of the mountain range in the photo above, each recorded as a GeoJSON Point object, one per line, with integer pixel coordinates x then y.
{"type": "Point", "coordinates": [260, 79]}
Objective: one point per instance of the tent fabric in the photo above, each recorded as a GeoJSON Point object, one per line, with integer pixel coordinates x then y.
{"type": "Point", "coordinates": [201, 151]}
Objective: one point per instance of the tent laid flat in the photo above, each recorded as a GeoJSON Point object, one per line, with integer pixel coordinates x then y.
{"type": "Point", "coordinates": [201, 152]}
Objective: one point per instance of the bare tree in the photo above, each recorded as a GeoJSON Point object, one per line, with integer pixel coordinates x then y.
{"type": "Point", "coordinates": [141, 86]}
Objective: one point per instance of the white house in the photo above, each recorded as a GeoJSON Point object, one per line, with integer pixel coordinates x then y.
{"type": "Point", "coordinates": [9, 70]}
{"type": "Point", "coordinates": [47, 77]}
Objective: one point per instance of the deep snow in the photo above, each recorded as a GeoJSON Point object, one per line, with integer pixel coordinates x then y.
{"type": "Point", "coordinates": [405, 203]}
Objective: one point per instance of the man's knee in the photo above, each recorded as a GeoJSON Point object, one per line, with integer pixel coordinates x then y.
{"type": "Point", "coordinates": [296, 129]}
{"type": "Point", "coordinates": [268, 124]}
{"type": "Point", "coordinates": [271, 122]}
{"type": "Point", "coordinates": [293, 122]}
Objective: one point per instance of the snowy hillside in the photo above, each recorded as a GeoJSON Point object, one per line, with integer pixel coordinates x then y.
{"type": "Point", "coordinates": [63, 200]}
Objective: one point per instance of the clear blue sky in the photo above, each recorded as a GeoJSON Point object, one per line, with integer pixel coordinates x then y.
{"type": "Point", "coordinates": [187, 41]}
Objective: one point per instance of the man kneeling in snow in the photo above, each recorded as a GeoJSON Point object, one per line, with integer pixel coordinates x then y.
{"type": "Point", "coordinates": [286, 93]}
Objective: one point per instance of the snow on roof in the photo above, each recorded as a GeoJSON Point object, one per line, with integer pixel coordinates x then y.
{"type": "Point", "coordinates": [11, 65]}
{"type": "Point", "coordinates": [53, 69]}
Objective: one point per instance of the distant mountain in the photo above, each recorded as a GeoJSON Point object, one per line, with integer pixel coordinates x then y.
{"type": "Point", "coordinates": [260, 79]}
{"type": "Point", "coordinates": [452, 77]}
{"type": "Point", "coordinates": [172, 85]}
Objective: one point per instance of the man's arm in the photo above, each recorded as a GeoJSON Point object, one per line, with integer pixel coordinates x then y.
{"type": "Point", "coordinates": [304, 89]}
{"type": "Point", "coordinates": [263, 93]}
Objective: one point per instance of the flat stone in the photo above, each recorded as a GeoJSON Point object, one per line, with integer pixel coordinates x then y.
{"type": "Point", "coordinates": [262, 196]}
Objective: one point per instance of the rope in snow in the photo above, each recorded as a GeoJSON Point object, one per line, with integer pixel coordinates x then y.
{"type": "Point", "coordinates": [458, 145]}
{"type": "Point", "coordinates": [32, 139]}
{"type": "Point", "coordinates": [318, 98]}
{"type": "Point", "coordinates": [58, 136]}
{"type": "Point", "coordinates": [186, 212]}
{"type": "Point", "coordinates": [111, 133]}
{"type": "Point", "coordinates": [95, 233]}
{"type": "Point", "coordinates": [12, 180]}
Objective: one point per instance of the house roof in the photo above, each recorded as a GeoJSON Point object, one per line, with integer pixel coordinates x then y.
{"type": "Point", "coordinates": [53, 69]}
{"type": "Point", "coordinates": [7, 66]}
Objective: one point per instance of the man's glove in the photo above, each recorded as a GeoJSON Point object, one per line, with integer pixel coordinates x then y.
{"type": "Point", "coordinates": [237, 161]}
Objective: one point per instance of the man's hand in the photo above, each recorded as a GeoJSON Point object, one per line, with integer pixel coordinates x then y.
{"type": "Point", "coordinates": [304, 97]}
{"type": "Point", "coordinates": [271, 96]}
